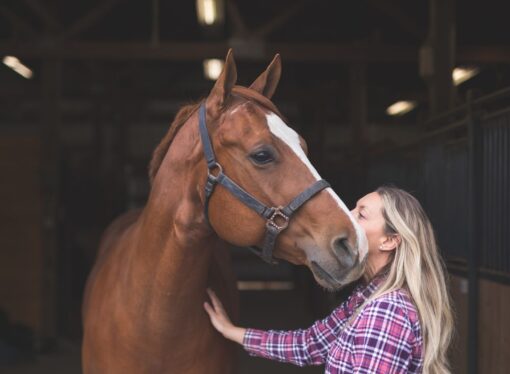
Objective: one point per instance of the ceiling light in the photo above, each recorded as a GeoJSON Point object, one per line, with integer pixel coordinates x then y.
{"type": "Point", "coordinates": [210, 12]}
{"type": "Point", "coordinates": [400, 108]}
{"type": "Point", "coordinates": [213, 68]}
{"type": "Point", "coordinates": [462, 74]}
{"type": "Point", "coordinates": [18, 67]}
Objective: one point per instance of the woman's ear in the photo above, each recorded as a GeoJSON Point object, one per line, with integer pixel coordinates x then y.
{"type": "Point", "coordinates": [390, 243]}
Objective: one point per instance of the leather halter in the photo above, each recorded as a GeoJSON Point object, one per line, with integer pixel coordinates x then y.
{"type": "Point", "coordinates": [277, 218]}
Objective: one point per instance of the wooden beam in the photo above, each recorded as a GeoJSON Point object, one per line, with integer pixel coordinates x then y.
{"type": "Point", "coordinates": [358, 105]}
{"type": "Point", "coordinates": [393, 11]}
{"type": "Point", "coordinates": [89, 19]}
{"type": "Point", "coordinates": [438, 56]}
{"type": "Point", "coordinates": [197, 51]}
{"type": "Point", "coordinates": [50, 117]}
{"type": "Point", "coordinates": [16, 21]}
{"type": "Point", "coordinates": [296, 52]}
{"type": "Point", "coordinates": [240, 28]}
{"type": "Point", "coordinates": [279, 20]}
{"type": "Point", "coordinates": [155, 22]}
{"type": "Point", "coordinates": [44, 14]}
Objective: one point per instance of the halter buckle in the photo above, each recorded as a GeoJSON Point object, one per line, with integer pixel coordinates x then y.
{"type": "Point", "coordinates": [276, 218]}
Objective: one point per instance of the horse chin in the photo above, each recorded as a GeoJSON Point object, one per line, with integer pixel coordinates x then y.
{"type": "Point", "coordinates": [335, 283]}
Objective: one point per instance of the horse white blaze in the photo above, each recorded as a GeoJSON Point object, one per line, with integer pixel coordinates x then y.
{"type": "Point", "coordinates": [291, 138]}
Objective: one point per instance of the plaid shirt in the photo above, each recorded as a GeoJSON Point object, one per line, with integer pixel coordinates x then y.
{"type": "Point", "coordinates": [385, 337]}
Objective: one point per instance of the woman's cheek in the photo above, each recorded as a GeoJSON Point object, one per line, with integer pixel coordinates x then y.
{"type": "Point", "coordinates": [372, 238]}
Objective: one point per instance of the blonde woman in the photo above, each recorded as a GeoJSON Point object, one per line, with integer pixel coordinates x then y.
{"type": "Point", "coordinates": [397, 320]}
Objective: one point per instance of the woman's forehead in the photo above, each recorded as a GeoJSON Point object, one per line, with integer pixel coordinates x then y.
{"type": "Point", "coordinates": [371, 201]}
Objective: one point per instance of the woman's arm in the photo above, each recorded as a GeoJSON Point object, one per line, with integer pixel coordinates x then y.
{"type": "Point", "coordinates": [300, 347]}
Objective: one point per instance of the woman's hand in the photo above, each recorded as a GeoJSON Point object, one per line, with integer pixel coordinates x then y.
{"type": "Point", "coordinates": [220, 320]}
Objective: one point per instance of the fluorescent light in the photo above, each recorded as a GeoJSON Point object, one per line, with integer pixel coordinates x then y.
{"type": "Point", "coordinates": [213, 68]}
{"type": "Point", "coordinates": [400, 108]}
{"type": "Point", "coordinates": [18, 67]}
{"type": "Point", "coordinates": [462, 74]}
{"type": "Point", "coordinates": [210, 12]}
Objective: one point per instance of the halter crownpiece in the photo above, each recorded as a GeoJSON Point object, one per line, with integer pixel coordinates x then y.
{"type": "Point", "coordinates": [277, 218]}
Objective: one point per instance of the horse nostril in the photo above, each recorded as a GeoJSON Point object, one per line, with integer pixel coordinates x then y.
{"type": "Point", "coordinates": [343, 251]}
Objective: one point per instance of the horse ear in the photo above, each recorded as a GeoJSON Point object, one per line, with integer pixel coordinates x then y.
{"type": "Point", "coordinates": [267, 82]}
{"type": "Point", "coordinates": [223, 86]}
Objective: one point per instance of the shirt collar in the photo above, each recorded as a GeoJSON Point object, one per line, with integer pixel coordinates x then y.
{"type": "Point", "coordinates": [368, 288]}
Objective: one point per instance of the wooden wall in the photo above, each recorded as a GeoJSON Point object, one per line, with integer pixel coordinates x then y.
{"type": "Point", "coordinates": [493, 326]}
{"type": "Point", "coordinates": [21, 254]}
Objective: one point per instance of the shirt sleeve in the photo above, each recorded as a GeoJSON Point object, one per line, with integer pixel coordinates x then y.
{"type": "Point", "coordinates": [299, 347]}
{"type": "Point", "coordinates": [383, 339]}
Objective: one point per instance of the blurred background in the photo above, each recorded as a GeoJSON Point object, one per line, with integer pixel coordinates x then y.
{"type": "Point", "coordinates": [415, 93]}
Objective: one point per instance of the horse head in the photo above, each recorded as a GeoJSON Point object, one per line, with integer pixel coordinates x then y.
{"type": "Point", "coordinates": [260, 153]}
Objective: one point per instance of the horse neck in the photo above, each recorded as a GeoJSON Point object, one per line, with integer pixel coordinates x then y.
{"type": "Point", "coordinates": [176, 241]}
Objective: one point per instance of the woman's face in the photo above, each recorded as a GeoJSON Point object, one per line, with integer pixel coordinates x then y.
{"type": "Point", "coordinates": [368, 212]}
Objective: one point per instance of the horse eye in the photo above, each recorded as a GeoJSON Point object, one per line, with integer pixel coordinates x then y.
{"type": "Point", "coordinates": [262, 157]}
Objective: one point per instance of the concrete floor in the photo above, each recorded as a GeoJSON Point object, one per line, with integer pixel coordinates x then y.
{"type": "Point", "coordinates": [259, 309]}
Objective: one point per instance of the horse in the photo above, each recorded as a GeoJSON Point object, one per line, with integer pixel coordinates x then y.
{"type": "Point", "coordinates": [143, 302]}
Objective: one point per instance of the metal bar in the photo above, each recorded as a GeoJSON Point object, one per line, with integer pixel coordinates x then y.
{"type": "Point", "coordinates": [484, 193]}
{"type": "Point", "coordinates": [506, 188]}
{"type": "Point", "coordinates": [447, 114]}
{"type": "Point", "coordinates": [495, 95]}
{"type": "Point", "coordinates": [475, 103]}
{"type": "Point", "coordinates": [423, 139]}
{"type": "Point", "coordinates": [485, 118]}
{"type": "Point", "coordinates": [474, 239]}
{"type": "Point", "coordinates": [483, 273]}
{"type": "Point", "coordinates": [498, 194]}
{"type": "Point", "coordinates": [489, 163]}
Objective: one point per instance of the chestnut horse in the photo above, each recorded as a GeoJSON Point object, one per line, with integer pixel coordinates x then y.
{"type": "Point", "coordinates": [143, 301]}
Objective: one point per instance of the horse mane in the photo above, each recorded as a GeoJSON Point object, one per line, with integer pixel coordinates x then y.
{"type": "Point", "coordinates": [159, 153]}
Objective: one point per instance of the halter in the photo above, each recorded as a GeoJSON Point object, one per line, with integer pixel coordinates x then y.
{"type": "Point", "coordinates": [277, 218]}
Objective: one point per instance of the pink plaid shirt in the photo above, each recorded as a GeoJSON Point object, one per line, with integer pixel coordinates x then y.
{"type": "Point", "coordinates": [385, 337]}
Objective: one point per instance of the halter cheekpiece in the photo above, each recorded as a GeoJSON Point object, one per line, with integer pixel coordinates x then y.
{"type": "Point", "coordinates": [277, 218]}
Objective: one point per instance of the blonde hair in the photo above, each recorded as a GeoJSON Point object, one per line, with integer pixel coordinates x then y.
{"type": "Point", "coordinates": [416, 266]}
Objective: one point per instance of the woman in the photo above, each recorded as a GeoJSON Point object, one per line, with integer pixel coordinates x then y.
{"type": "Point", "coordinates": [397, 320]}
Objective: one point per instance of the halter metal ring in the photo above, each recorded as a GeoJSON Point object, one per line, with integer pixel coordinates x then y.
{"type": "Point", "coordinates": [210, 175]}
{"type": "Point", "coordinates": [278, 214]}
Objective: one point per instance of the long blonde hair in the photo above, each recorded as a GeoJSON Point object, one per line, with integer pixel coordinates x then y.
{"type": "Point", "coordinates": [416, 266]}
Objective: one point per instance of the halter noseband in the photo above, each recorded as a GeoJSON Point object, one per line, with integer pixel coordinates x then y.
{"type": "Point", "coordinates": [277, 218]}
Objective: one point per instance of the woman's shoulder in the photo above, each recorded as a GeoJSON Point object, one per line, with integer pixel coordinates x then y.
{"type": "Point", "coordinates": [396, 302]}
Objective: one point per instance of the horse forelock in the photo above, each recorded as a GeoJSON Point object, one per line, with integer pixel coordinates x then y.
{"type": "Point", "coordinates": [185, 113]}
{"type": "Point", "coordinates": [248, 93]}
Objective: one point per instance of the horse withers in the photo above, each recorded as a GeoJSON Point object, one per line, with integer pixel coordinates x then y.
{"type": "Point", "coordinates": [142, 309]}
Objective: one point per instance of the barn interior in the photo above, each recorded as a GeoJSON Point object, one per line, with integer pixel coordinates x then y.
{"type": "Point", "coordinates": [414, 94]}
